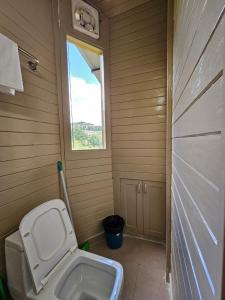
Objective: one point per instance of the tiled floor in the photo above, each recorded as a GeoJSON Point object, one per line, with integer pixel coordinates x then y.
{"type": "Point", "coordinates": [144, 268]}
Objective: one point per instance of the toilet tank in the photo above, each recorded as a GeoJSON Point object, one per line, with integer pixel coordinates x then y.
{"type": "Point", "coordinates": [18, 274]}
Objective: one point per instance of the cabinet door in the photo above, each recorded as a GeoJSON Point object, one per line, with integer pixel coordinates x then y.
{"type": "Point", "coordinates": [154, 209]}
{"type": "Point", "coordinates": [131, 205]}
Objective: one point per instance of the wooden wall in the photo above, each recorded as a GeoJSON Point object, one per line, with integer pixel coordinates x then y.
{"type": "Point", "coordinates": [90, 192]}
{"type": "Point", "coordinates": [88, 173]}
{"type": "Point", "coordinates": [116, 7]}
{"type": "Point", "coordinates": [29, 122]}
{"type": "Point", "coordinates": [198, 150]}
{"type": "Point", "coordinates": [138, 94]}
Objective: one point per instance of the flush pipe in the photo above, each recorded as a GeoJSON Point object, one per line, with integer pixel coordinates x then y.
{"type": "Point", "coordinates": [61, 174]}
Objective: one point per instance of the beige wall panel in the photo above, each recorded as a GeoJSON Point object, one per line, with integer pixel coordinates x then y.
{"type": "Point", "coordinates": [157, 119]}
{"type": "Point", "coordinates": [20, 125]}
{"type": "Point", "coordinates": [118, 7]}
{"type": "Point", "coordinates": [206, 21]}
{"type": "Point", "coordinates": [138, 25]}
{"type": "Point", "coordinates": [77, 181]}
{"type": "Point", "coordinates": [130, 113]}
{"type": "Point", "coordinates": [133, 62]}
{"type": "Point", "coordinates": [144, 94]}
{"type": "Point", "coordinates": [32, 102]}
{"type": "Point", "coordinates": [138, 145]}
{"type": "Point", "coordinates": [13, 139]}
{"type": "Point", "coordinates": [209, 68]}
{"type": "Point", "coordinates": [131, 126]}
{"type": "Point", "coordinates": [74, 173]}
{"type": "Point", "coordinates": [16, 179]}
{"type": "Point", "coordinates": [139, 136]}
{"type": "Point", "coordinates": [138, 152]}
{"type": "Point", "coordinates": [82, 199]}
{"type": "Point", "coordinates": [29, 122]}
{"type": "Point", "coordinates": [17, 152]}
{"type": "Point", "coordinates": [137, 35]}
{"type": "Point", "coordinates": [137, 78]}
{"type": "Point", "coordinates": [117, 54]}
{"type": "Point", "coordinates": [18, 192]}
{"type": "Point", "coordinates": [15, 111]}
{"type": "Point", "coordinates": [154, 161]}
{"type": "Point", "coordinates": [147, 168]}
{"type": "Point", "coordinates": [204, 116]}
{"type": "Point", "coordinates": [198, 150]}
{"type": "Point", "coordinates": [138, 104]}
{"type": "Point", "coordinates": [39, 93]}
{"type": "Point", "coordinates": [38, 18]}
{"type": "Point", "coordinates": [37, 197]}
{"type": "Point", "coordinates": [19, 165]}
{"type": "Point", "coordinates": [132, 88]}
{"type": "Point", "coordinates": [149, 8]}
{"type": "Point", "coordinates": [181, 271]}
{"type": "Point", "coordinates": [126, 25]}
{"type": "Point", "coordinates": [91, 186]}
{"type": "Point", "coordinates": [76, 164]}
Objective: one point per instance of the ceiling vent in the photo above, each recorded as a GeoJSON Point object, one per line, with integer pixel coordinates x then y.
{"type": "Point", "coordinates": [85, 18]}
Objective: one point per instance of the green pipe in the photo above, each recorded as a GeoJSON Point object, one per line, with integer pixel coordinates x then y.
{"type": "Point", "coordinates": [66, 198]}
{"type": "Point", "coordinates": [60, 166]}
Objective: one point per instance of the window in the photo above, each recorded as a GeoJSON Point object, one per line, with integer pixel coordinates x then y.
{"type": "Point", "coordinates": [86, 92]}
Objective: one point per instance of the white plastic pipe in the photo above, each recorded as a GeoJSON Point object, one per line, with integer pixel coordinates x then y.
{"type": "Point", "coordinates": [60, 170]}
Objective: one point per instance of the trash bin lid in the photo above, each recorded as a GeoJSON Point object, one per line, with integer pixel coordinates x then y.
{"type": "Point", "coordinates": [113, 224]}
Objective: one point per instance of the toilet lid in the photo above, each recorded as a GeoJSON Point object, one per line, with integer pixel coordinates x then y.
{"type": "Point", "coordinates": [47, 235]}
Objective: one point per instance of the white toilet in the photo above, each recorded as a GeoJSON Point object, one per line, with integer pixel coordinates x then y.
{"type": "Point", "coordinates": [43, 261]}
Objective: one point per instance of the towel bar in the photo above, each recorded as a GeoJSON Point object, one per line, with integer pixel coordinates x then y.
{"type": "Point", "coordinates": [33, 63]}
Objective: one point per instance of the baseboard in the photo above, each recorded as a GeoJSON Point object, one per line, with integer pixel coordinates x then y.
{"type": "Point", "coordinates": [95, 238]}
{"type": "Point", "coordinates": [144, 239]}
{"type": "Point", "coordinates": [99, 236]}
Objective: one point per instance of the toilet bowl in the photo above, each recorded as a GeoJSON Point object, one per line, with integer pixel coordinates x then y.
{"type": "Point", "coordinates": [43, 261]}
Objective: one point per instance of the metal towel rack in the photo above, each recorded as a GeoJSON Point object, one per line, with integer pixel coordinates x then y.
{"type": "Point", "coordinates": [33, 62]}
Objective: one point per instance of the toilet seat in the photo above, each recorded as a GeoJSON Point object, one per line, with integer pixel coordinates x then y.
{"type": "Point", "coordinates": [48, 236]}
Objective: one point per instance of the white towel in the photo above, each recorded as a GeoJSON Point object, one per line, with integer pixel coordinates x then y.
{"type": "Point", "coordinates": [10, 70]}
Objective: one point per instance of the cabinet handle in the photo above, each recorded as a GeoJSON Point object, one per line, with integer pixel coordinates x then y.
{"type": "Point", "coordinates": [139, 188]}
{"type": "Point", "coordinates": [145, 188]}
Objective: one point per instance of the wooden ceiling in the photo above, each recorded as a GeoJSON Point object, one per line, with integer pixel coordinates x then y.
{"type": "Point", "coordinates": [112, 8]}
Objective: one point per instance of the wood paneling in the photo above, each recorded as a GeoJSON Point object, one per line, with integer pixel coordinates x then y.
{"type": "Point", "coordinates": [138, 94]}
{"type": "Point", "coordinates": [90, 191]}
{"type": "Point", "coordinates": [88, 173]}
{"type": "Point", "coordinates": [29, 122]}
{"type": "Point", "coordinates": [198, 150]}
{"type": "Point", "coordinates": [115, 7]}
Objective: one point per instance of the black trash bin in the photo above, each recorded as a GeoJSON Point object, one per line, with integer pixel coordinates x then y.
{"type": "Point", "coordinates": [113, 226]}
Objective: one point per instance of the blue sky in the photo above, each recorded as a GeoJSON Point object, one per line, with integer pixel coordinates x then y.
{"type": "Point", "coordinates": [79, 68]}
{"type": "Point", "coordinates": [85, 89]}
